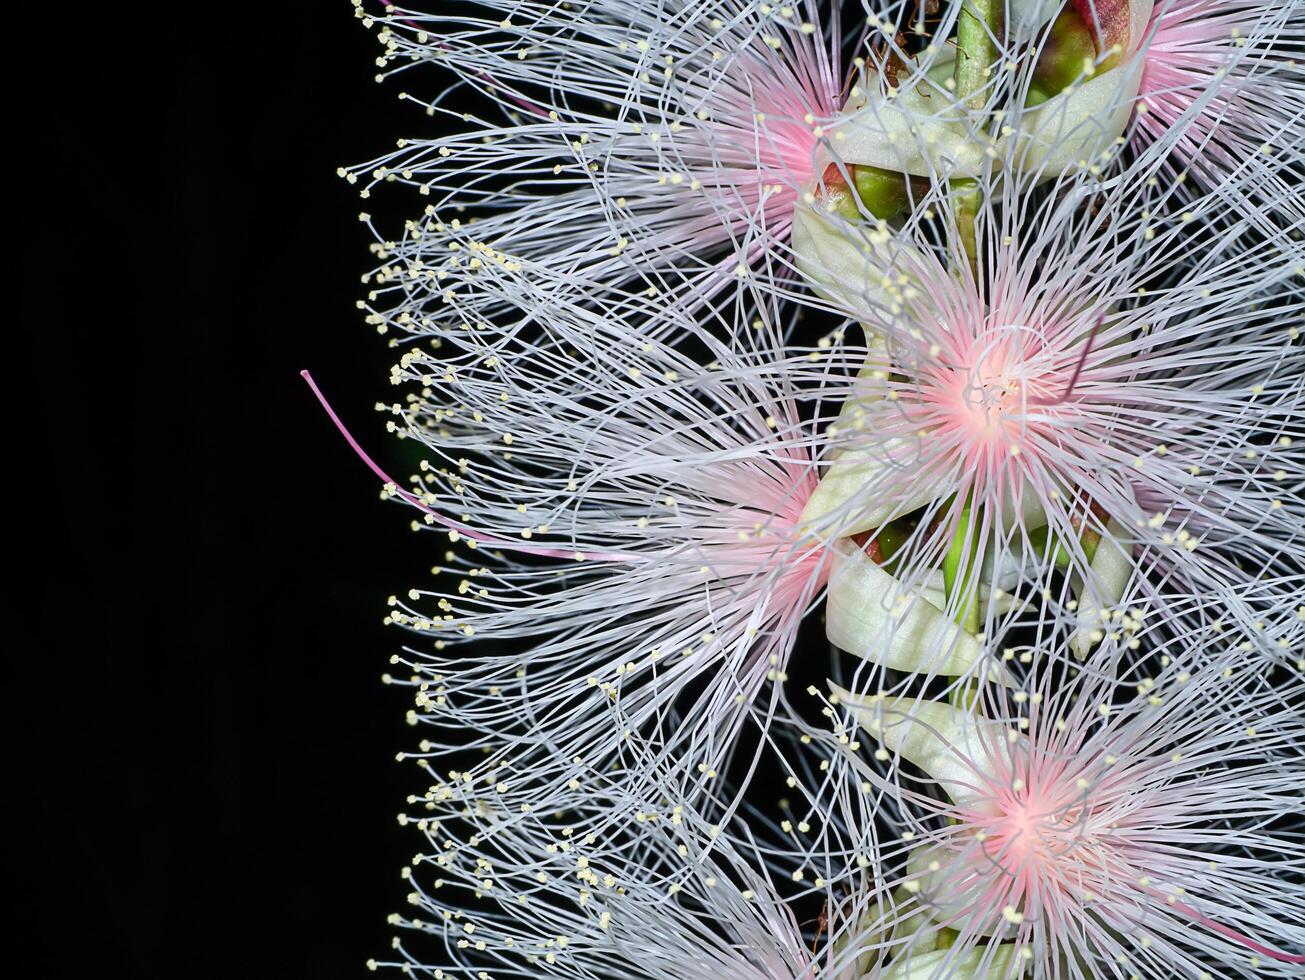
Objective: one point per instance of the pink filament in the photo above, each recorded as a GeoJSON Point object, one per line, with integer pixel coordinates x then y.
{"type": "Point", "coordinates": [452, 525]}
{"type": "Point", "coordinates": [1078, 368]}
{"type": "Point", "coordinates": [1230, 933]}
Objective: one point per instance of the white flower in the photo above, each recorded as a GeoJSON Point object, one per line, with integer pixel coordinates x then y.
{"type": "Point", "coordinates": [635, 146]}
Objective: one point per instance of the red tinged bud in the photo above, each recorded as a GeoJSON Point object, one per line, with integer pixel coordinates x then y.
{"type": "Point", "coordinates": [883, 193]}
{"type": "Point", "coordinates": [1107, 20]}
{"type": "Point", "coordinates": [1071, 49]}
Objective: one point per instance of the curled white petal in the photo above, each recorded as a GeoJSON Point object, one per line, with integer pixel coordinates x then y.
{"type": "Point", "coordinates": [845, 501]}
{"type": "Point", "coordinates": [1111, 568]}
{"type": "Point", "coordinates": [1078, 125]}
{"type": "Point", "coordinates": [872, 615]}
{"type": "Point", "coordinates": [952, 745]}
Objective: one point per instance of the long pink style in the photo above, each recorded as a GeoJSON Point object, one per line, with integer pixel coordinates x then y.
{"type": "Point", "coordinates": [441, 519]}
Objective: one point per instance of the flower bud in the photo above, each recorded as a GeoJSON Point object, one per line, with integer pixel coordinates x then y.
{"type": "Point", "coordinates": [952, 745]}
{"type": "Point", "coordinates": [919, 129]}
{"type": "Point", "coordinates": [1068, 53]}
{"type": "Point", "coordinates": [874, 616]}
{"type": "Point", "coordinates": [1069, 122]}
{"type": "Point", "coordinates": [1109, 572]}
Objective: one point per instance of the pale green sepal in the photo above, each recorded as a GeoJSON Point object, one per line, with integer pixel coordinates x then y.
{"type": "Point", "coordinates": [849, 265]}
{"type": "Point", "coordinates": [1111, 569]}
{"type": "Point", "coordinates": [976, 964]}
{"type": "Point", "coordinates": [952, 745]}
{"type": "Point", "coordinates": [872, 615]}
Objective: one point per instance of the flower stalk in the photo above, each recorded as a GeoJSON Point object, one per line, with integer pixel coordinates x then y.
{"type": "Point", "coordinates": [978, 31]}
{"type": "Point", "coordinates": [960, 570]}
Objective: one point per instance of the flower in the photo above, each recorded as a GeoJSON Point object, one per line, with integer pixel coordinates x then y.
{"type": "Point", "coordinates": [633, 148]}
{"type": "Point", "coordinates": [1121, 389]}
{"type": "Point", "coordinates": [1124, 826]}
{"type": "Point", "coordinates": [1053, 498]}
{"type": "Point", "coordinates": [1221, 90]}
{"type": "Point", "coordinates": [1134, 814]}
{"type": "Point", "coordinates": [611, 884]}
{"type": "Point", "coordinates": [636, 562]}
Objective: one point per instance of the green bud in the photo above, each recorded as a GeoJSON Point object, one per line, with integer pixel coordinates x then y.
{"type": "Point", "coordinates": [1069, 54]}
{"type": "Point", "coordinates": [883, 193]}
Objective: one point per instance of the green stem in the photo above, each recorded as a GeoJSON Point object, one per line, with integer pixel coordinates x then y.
{"type": "Point", "coordinates": [1043, 542]}
{"type": "Point", "coordinates": [968, 199]}
{"type": "Point", "coordinates": [979, 27]}
{"type": "Point", "coordinates": [960, 570]}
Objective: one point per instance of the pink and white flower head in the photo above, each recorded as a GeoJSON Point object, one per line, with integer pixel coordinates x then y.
{"type": "Point", "coordinates": [610, 885]}
{"type": "Point", "coordinates": [1124, 390]}
{"type": "Point", "coordinates": [632, 145]}
{"type": "Point", "coordinates": [1103, 821]}
{"type": "Point", "coordinates": [636, 561]}
{"type": "Point", "coordinates": [1222, 87]}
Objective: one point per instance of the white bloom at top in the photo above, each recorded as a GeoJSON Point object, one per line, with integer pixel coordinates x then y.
{"type": "Point", "coordinates": [634, 145]}
{"type": "Point", "coordinates": [1132, 371]}
{"type": "Point", "coordinates": [638, 565]}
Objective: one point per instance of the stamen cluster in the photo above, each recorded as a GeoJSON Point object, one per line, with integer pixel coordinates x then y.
{"type": "Point", "coordinates": [966, 332]}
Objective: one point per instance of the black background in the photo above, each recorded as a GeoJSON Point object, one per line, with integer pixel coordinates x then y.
{"type": "Point", "coordinates": [208, 785]}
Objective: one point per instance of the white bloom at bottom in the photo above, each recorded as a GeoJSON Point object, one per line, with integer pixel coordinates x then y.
{"type": "Point", "coordinates": [1089, 820]}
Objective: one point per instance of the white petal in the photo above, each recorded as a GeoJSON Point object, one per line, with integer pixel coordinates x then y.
{"type": "Point", "coordinates": [863, 489]}
{"type": "Point", "coordinates": [1079, 123]}
{"type": "Point", "coordinates": [954, 746]}
{"type": "Point", "coordinates": [872, 615]}
{"type": "Point", "coordinates": [1111, 568]}
{"type": "Point", "coordinates": [1026, 16]}
{"type": "Point", "coordinates": [1139, 18]}
{"type": "Point", "coordinates": [867, 389]}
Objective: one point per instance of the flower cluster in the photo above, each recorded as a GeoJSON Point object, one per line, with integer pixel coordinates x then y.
{"type": "Point", "coordinates": [964, 332]}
